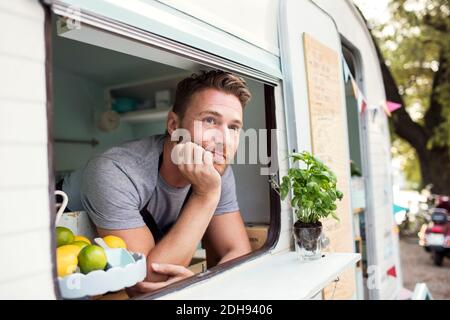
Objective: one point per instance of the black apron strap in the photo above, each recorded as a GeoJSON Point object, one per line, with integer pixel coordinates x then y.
{"type": "Point", "coordinates": [151, 224]}
{"type": "Point", "coordinates": [156, 231]}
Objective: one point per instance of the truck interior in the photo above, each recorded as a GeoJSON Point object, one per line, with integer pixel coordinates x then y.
{"type": "Point", "coordinates": [88, 80]}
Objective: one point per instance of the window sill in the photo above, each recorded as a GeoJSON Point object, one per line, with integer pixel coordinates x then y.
{"type": "Point", "coordinates": [280, 276]}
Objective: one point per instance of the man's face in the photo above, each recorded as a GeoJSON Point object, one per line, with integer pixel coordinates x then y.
{"type": "Point", "coordinates": [214, 120]}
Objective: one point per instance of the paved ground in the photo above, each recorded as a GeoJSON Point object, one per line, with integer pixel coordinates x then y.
{"type": "Point", "coordinates": [417, 266]}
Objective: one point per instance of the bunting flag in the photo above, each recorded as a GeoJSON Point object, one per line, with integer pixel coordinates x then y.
{"type": "Point", "coordinates": [355, 89]}
{"type": "Point", "coordinates": [392, 272]}
{"type": "Point", "coordinates": [363, 105]}
{"type": "Point", "coordinates": [392, 106]}
{"type": "Point", "coordinates": [385, 108]}
{"type": "Point", "coordinates": [361, 102]}
{"type": "Point", "coordinates": [347, 73]}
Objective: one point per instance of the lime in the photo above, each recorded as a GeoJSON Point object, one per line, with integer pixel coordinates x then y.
{"type": "Point", "coordinates": [81, 238]}
{"type": "Point", "coordinates": [92, 258]}
{"type": "Point", "coordinates": [66, 259]}
{"type": "Point", "coordinates": [115, 242]}
{"type": "Point", "coordinates": [63, 236]}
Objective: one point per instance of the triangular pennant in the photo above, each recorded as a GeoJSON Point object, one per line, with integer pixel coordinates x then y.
{"type": "Point", "coordinates": [346, 70]}
{"type": "Point", "coordinates": [392, 272]}
{"type": "Point", "coordinates": [359, 100]}
{"type": "Point", "coordinates": [385, 107]}
{"type": "Point", "coordinates": [355, 89]}
{"type": "Point", "coordinates": [363, 105]}
{"type": "Point", "coordinates": [392, 106]}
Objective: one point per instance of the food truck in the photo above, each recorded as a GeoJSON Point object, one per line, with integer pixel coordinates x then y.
{"type": "Point", "coordinates": [316, 84]}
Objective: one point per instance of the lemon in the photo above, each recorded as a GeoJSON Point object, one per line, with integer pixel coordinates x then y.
{"type": "Point", "coordinates": [66, 259]}
{"type": "Point", "coordinates": [80, 244]}
{"type": "Point", "coordinates": [81, 238]}
{"type": "Point", "coordinates": [63, 236]}
{"type": "Point", "coordinates": [115, 242]}
{"type": "Point", "coordinates": [70, 249]}
{"type": "Point", "coordinates": [92, 258]}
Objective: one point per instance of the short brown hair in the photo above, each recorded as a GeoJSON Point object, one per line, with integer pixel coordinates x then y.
{"type": "Point", "coordinates": [215, 79]}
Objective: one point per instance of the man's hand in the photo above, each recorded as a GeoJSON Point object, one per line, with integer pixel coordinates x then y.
{"type": "Point", "coordinates": [174, 272]}
{"type": "Point", "coordinates": [196, 165]}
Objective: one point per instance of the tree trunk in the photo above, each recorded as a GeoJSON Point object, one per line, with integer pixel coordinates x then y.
{"type": "Point", "coordinates": [435, 169]}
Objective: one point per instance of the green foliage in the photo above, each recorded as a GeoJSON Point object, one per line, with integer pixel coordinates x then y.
{"type": "Point", "coordinates": [314, 189]}
{"type": "Point", "coordinates": [412, 42]}
{"type": "Point", "coordinates": [415, 44]}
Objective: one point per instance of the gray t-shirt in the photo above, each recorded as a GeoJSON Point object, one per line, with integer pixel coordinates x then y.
{"type": "Point", "coordinates": [114, 186]}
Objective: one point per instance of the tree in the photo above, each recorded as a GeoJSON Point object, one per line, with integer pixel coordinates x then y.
{"type": "Point", "coordinates": [414, 51]}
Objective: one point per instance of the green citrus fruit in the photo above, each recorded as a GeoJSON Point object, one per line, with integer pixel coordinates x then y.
{"type": "Point", "coordinates": [92, 258]}
{"type": "Point", "coordinates": [63, 236]}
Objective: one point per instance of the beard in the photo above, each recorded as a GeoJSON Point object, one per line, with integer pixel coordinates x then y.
{"type": "Point", "coordinates": [220, 157]}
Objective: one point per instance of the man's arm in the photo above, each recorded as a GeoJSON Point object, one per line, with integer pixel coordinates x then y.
{"type": "Point", "coordinates": [137, 239]}
{"type": "Point", "coordinates": [141, 240]}
{"type": "Point", "coordinates": [178, 245]}
{"type": "Point", "coordinates": [225, 238]}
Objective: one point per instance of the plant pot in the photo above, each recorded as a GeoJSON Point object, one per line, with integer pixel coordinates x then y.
{"type": "Point", "coordinates": [308, 238]}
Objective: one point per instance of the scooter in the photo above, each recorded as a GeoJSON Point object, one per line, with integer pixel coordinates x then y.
{"type": "Point", "coordinates": [435, 236]}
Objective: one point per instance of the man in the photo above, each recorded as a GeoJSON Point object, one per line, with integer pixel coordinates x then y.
{"type": "Point", "coordinates": [162, 195]}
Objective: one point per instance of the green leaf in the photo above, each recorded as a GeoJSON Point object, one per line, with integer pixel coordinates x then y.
{"type": "Point", "coordinates": [313, 189]}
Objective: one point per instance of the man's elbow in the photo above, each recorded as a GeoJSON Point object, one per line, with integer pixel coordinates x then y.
{"type": "Point", "coordinates": [243, 248]}
{"type": "Point", "coordinates": [237, 252]}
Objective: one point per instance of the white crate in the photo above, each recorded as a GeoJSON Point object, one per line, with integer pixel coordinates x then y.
{"type": "Point", "coordinates": [80, 224]}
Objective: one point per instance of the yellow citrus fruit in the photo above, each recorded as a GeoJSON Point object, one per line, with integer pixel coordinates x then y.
{"type": "Point", "coordinates": [63, 236]}
{"type": "Point", "coordinates": [81, 238]}
{"type": "Point", "coordinates": [80, 244]}
{"type": "Point", "coordinates": [66, 259]}
{"type": "Point", "coordinates": [70, 249]}
{"type": "Point", "coordinates": [115, 242]}
{"type": "Point", "coordinates": [92, 258]}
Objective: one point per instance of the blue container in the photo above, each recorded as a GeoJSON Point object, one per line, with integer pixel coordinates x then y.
{"type": "Point", "coordinates": [123, 104]}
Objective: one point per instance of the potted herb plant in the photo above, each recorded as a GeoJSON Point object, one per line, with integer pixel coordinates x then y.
{"type": "Point", "coordinates": [314, 196]}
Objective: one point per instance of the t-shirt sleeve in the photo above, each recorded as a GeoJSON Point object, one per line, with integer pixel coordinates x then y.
{"type": "Point", "coordinates": [109, 196]}
{"type": "Point", "coordinates": [228, 200]}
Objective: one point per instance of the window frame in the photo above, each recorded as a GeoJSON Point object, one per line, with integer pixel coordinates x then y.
{"type": "Point", "coordinates": [354, 53]}
{"type": "Point", "coordinates": [48, 28]}
{"type": "Point", "coordinates": [202, 58]}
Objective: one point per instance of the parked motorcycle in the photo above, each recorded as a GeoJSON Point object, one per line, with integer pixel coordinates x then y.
{"type": "Point", "coordinates": [435, 236]}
